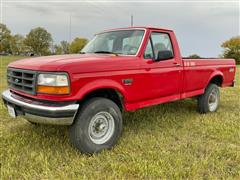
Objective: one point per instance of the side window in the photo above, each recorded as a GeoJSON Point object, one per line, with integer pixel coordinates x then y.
{"type": "Point", "coordinates": [148, 53]}
{"type": "Point", "coordinates": [160, 42]}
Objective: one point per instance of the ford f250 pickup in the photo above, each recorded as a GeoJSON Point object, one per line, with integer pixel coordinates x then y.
{"type": "Point", "coordinates": [119, 70]}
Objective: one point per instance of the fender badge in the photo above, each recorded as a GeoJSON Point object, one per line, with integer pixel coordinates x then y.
{"type": "Point", "coordinates": [231, 69]}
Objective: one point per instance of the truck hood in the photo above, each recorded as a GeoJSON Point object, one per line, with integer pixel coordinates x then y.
{"type": "Point", "coordinates": [69, 63]}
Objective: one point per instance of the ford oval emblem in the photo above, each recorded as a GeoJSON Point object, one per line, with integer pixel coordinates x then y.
{"type": "Point", "coordinates": [17, 80]}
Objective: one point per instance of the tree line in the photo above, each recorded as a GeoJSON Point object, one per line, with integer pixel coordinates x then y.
{"type": "Point", "coordinates": [39, 42]}
{"type": "Point", "coordinates": [231, 49]}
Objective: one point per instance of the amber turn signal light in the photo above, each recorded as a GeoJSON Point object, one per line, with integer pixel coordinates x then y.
{"type": "Point", "coordinates": [53, 89]}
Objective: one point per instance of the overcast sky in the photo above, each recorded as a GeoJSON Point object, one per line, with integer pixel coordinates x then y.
{"type": "Point", "coordinates": [200, 26]}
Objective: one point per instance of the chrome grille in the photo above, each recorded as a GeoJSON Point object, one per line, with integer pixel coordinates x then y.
{"type": "Point", "coordinates": [22, 80]}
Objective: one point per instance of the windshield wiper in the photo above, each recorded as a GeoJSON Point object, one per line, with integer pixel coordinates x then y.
{"type": "Point", "coordinates": [82, 53]}
{"type": "Point", "coordinates": [106, 52]}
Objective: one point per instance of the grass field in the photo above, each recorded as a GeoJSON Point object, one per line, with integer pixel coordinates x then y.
{"type": "Point", "coordinates": [168, 141]}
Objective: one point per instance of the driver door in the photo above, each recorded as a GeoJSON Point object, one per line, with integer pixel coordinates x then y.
{"type": "Point", "coordinates": [162, 79]}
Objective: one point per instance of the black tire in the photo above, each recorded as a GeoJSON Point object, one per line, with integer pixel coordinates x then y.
{"type": "Point", "coordinates": [204, 100]}
{"type": "Point", "coordinates": [82, 128]}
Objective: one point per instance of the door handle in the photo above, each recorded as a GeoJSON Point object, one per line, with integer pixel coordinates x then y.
{"type": "Point", "coordinates": [177, 64]}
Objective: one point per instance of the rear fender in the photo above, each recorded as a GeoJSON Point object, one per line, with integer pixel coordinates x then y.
{"type": "Point", "coordinates": [214, 74]}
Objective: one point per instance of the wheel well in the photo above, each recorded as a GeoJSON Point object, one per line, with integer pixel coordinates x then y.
{"type": "Point", "coordinates": [108, 93]}
{"type": "Point", "coordinates": [217, 80]}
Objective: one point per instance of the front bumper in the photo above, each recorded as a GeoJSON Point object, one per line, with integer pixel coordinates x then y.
{"type": "Point", "coordinates": [40, 112]}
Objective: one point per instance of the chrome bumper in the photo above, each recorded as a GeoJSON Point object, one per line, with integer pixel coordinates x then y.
{"type": "Point", "coordinates": [39, 112]}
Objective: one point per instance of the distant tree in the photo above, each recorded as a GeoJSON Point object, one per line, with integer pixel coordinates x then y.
{"type": "Point", "coordinates": [65, 47]}
{"type": "Point", "coordinates": [18, 46]}
{"type": "Point", "coordinates": [58, 49]}
{"type": "Point", "coordinates": [5, 39]}
{"type": "Point", "coordinates": [194, 56]}
{"type": "Point", "coordinates": [77, 45]}
{"type": "Point", "coordinates": [232, 48]}
{"type": "Point", "coordinates": [62, 48]}
{"type": "Point", "coordinates": [39, 41]}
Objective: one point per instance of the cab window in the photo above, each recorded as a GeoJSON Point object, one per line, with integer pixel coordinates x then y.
{"type": "Point", "coordinates": [148, 53]}
{"type": "Point", "coordinates": [158, 42]}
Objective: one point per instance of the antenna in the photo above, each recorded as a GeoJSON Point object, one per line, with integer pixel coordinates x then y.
{"type": "Point", "coordinates": [131, 20]}
{"type": "Point", "coordinates": [70, 28]}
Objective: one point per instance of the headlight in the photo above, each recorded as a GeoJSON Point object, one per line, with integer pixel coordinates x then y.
{"type": "Point", "coordinates": [53, 84]}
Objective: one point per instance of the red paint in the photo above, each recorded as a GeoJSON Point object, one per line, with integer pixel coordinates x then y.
{"type": "Point", "coordinates": [153, 82]}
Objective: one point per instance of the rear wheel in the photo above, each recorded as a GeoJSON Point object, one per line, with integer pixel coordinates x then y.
{"type": "Point", "coordinates": [97, 126]}
{"type": "Point", "coordinates": [209, 101]}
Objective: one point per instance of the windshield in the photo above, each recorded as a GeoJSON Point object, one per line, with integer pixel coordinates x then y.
{"type": "Point", "coordinates": [124, 42]}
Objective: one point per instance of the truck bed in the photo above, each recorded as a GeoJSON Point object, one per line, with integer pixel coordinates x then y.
{"type": "Point", "coordinates": [198, 73]}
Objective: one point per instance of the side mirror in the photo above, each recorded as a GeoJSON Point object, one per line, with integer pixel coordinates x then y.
{"type": "Point", "coordinates": [164, 55]}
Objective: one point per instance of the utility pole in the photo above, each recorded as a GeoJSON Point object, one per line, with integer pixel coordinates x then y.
{"type": "Point", "coordinates": [131, 20]}
{"type": "Point", "coordinates": [70, 28]}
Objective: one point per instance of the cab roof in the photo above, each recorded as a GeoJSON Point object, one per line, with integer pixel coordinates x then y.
{"type": "Point", "coordinates": [137, 27]}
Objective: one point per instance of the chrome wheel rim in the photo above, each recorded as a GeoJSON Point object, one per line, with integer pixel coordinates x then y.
{"type": "Point", "coordinates": [101, 127]}
{"type": "Point", "coordinates": [213, 100]}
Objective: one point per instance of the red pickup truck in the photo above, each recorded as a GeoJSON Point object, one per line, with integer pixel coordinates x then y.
{"type": "Point", "coordinates": [119, 70]}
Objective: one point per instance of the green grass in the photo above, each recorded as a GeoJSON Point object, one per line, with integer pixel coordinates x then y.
{"type": "Point", "coordinates": [166, 141]}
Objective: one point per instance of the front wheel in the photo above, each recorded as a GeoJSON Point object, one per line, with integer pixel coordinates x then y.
{"type": "Point", "coordinates": [209, 101]}
{"type": "Point", "coordinates": [97, 126]}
